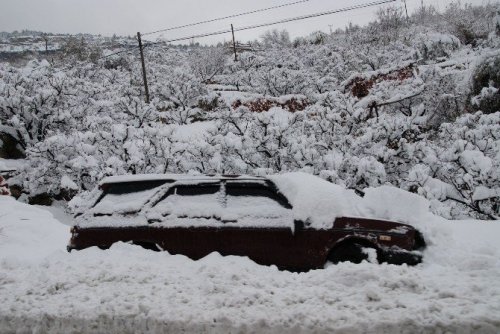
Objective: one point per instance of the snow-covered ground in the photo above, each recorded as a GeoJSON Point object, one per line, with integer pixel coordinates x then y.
{"type": "Point", "coordinates": [44, 289]}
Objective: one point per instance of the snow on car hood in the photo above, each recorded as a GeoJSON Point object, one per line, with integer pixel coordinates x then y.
{"type": "Point", "coordinates": [388, 202]}
{"type": "Point", "coordinates": [316, 201]}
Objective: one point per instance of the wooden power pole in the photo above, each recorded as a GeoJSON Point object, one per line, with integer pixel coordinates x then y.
{"type": "Point", "coordinates": [144, 78]}
{"type": "Point", "coordinates": [234, 45]}
{"type": "Point", "coordinates": [46, 40]}
{"type": "Point", "coordinates": [406, 10]}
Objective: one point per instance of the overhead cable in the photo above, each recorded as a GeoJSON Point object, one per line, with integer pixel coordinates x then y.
{"type": "Point", "coordinates": [226, 17]}
{"type": "Point", "coordinates": [225, 31]}
{"type": "Point", "coordinates": [303, 17]}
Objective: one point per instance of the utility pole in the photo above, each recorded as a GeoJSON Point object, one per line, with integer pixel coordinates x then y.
{"type": "Point", "coordinates": [406, 10]}
{"type": "Point", "coordinates": [46, 39]}
{"type": "Point", "coordinates": [234, 45]}
{"type": "Point", "coordinates": [145, 79]}
{"type": "Point", "coordinates": [422, 11]}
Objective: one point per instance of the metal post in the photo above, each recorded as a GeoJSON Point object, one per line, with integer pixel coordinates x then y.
{"type": "Point", "coordinates": [234, 45]}
{"type": "Point", "coordinates": [145, 79]}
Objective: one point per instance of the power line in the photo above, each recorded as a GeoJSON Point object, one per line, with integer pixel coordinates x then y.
{"type": "Point", "coordinates": [226, 17]}
{"type": "Point", "coordinates": [129, 49]}
{"type": "Point", "coordinates": [298, 18]}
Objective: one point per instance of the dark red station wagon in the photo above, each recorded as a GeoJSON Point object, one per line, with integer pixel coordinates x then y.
{"type": "Point", "coordinates": [292, 221]}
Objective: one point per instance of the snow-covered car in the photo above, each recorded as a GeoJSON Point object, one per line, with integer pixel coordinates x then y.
{"type": "Point", "coordinates": [294, 221]}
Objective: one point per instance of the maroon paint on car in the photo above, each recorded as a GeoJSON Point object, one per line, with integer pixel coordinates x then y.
{"type": "Point", "coordinates": [299, 249]}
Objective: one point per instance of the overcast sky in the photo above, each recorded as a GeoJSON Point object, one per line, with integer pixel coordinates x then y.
{"type": "Point", "coordinates": [126, 17]}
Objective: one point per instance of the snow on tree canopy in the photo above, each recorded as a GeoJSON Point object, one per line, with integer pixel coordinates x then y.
{"type": "Point", "coordinates": [424, 117]}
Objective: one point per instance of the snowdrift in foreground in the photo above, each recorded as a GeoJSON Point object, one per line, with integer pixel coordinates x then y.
{"type": "Point", "coordinates": [127, 289]}
{"type": "Point", "coordinates": [27, 233]}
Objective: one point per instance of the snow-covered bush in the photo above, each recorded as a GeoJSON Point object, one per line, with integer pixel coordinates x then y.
{"type": "Point", "coordinates": [486, 85]}
{"type": "Point", "coordinates": [78, 49]}
{"type": "Point", "coordinates": [276, 39]}
{"type": "Point", "coordinates": [388, 103]}
{"type": "Point", "coordinates": [471, 24]}
{"type": "Point", "coordinates": [436, 46]}
{"type": "Point", "coordinates": [390, 22]}
{"type": "Point", "coordinates": [206, 63]}
{"type": "Point", "coordinates": [179, 94]}
{"type": "Point", "coordinates": [462, 167]}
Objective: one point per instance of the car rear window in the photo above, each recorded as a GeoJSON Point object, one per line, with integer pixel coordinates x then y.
{"type": "Point", "coordinates": [240, 192]}
{"type": "Point", "coordinates": [254, 200]}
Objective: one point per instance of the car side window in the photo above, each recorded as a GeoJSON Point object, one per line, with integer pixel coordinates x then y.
{"type": "Point", "coordinates": [122, 202]}
{"type": "Point", "coordinates": [228, 202]}
{"type": "Point", "coordinates": [199, 200]}
{"type": "Point", "coordinates": [125, 197]}
{"type": "Point", "coordinates": [255, 200]}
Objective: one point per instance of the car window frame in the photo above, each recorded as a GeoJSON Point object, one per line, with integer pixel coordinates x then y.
{"type": "Point", "coordinates": [150, 184]}
{"type": "Point", "coordinates": [277, 196]}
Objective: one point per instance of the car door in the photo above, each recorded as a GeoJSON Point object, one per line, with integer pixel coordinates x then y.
{"type": "Point", "coordinates": [258, 223]}
{"type": "Point", "coordinates": [233, 217]}
{"type": "Point", "coordinates": [187, 219]}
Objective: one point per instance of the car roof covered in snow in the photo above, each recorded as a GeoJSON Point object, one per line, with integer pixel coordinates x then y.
{"type": "Point", "coordinates": [175, 178]}
{"type": "Point", "coordinates": [312, 199]}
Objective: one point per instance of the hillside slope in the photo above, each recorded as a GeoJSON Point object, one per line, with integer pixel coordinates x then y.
{"type": "Point", "coordinates": [415, 105]}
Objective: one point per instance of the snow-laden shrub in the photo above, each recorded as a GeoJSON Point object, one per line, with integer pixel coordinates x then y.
{"type": "Point", "coordinates": [207, 62]}
{"type": "Point", "coordinates": [281, 81]}
{"type": "Point", "coordinates": [471, 24]}
{"type": "Point", "coordinates": [79, 49]}
{"type": "Point", "coordinates": [436, 46]}
{"type": "Point", "coordinates": [445, 97]}
{"type": "Point", "coordinates": [86, 157]}
{"type": "Point", "coordinates": [462, 167]}
{"type": "Point", "coordinates": [276, 39]}
{"type": "Point", "coordinates": [411, 128]}
{"type": "Point", "coordinates": [391, 21]}
{"type": "Point", "coordinates": [180, 92]}
{"type": "Point", "coordinates": [486, 85]}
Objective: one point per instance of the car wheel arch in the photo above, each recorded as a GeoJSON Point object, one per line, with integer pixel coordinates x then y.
{"type": "Point", "coordinates": [352, 240]}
